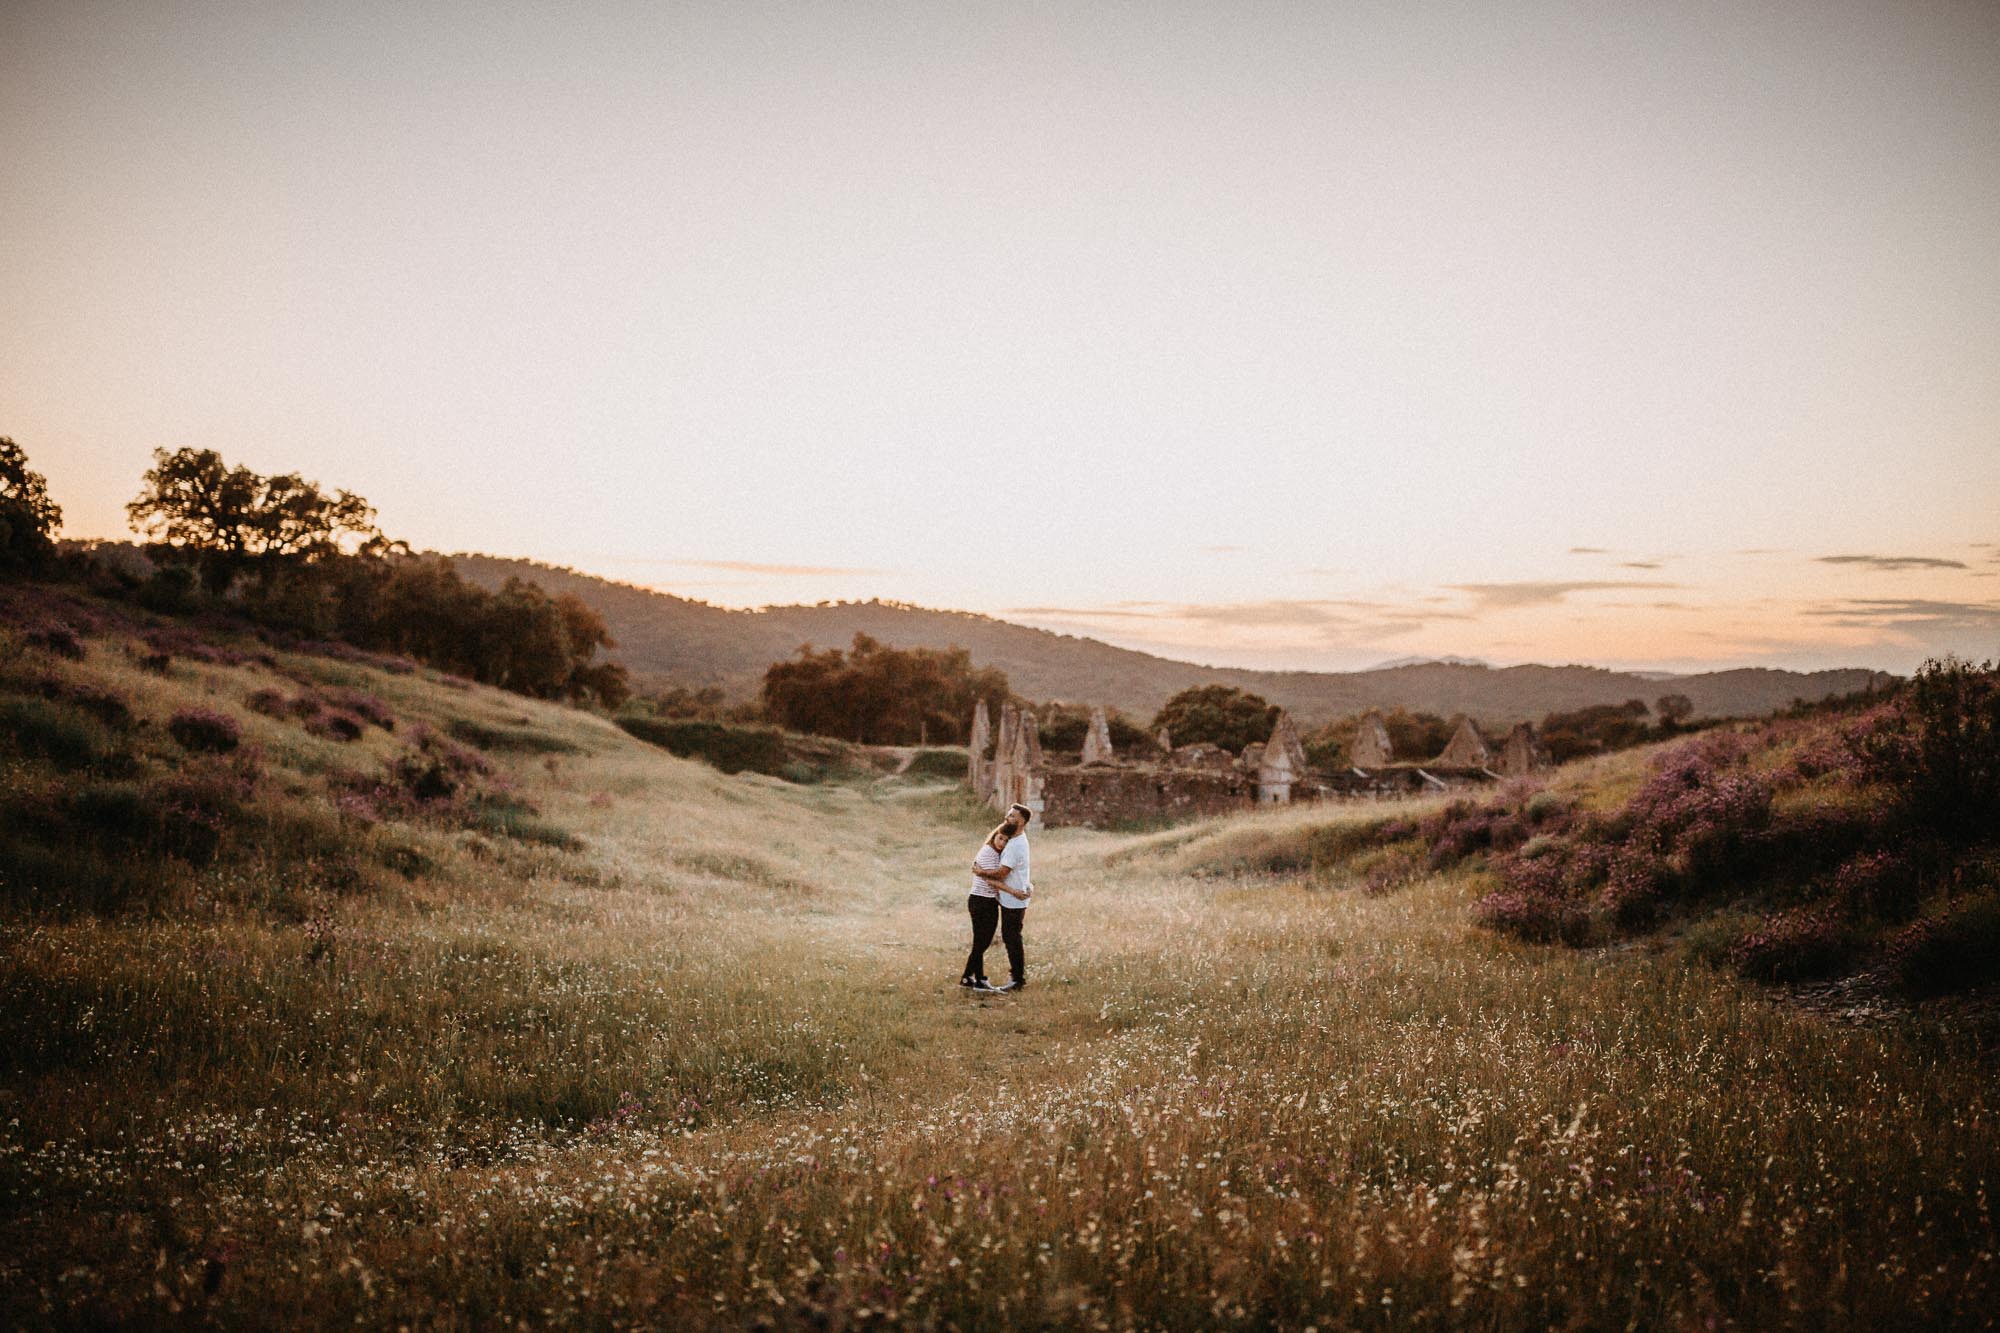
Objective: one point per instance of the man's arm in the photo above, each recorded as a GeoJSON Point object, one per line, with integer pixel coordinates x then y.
{"type": "Point", "coordinates": [997, 874]}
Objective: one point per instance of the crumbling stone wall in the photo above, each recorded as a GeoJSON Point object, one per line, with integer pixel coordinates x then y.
{"type": "Point", "coordinates": [1103, 796]}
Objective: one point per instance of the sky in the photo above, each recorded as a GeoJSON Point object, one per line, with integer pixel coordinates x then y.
{"type": "Point", "coordinates": [1651, 335]}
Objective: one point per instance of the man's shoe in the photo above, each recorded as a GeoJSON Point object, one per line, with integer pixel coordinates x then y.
{"type": "Point", "coordinates": [975, 984]}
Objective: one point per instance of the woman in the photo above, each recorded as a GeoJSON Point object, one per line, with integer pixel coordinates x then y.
{"type": "Point", "coordinates": [990, 869]}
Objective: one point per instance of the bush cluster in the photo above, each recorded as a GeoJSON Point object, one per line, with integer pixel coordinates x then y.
{"type": "Point", "coordinates": [1850, 822]}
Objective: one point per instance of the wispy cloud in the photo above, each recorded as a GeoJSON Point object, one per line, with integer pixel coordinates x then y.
{"type": "Point", "coordinates": [1910, 613]}
{"type": "Point", "coordinates": [786, 571]}
{"type": "Point", "coordinates": [1512, 596]}
{"type": "Point", "coordinates": [1588, 550]}
{"type": "Point", "coordinates": [1331, 620]}
{"type": "Point", "coordinates": [1893, 562]}
{"type": "Point", "coordinates": [1638, 564]}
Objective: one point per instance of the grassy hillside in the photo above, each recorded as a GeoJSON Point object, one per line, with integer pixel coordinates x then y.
{"type": "Point", "coordinates": [602, 1036]}
{"type": "Point", "coordinates": [673, 639]}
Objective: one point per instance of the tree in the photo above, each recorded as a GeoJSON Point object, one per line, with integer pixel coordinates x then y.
{"type": "Point", "coordinates": [1597, 729]}
{"type": "Point", "coordinates": [877, 695]}
{"type": "Point", "coordinates": [1218, 715]}
{"type": "Point", "coordinates": [1673, 710]}
{"type": "Point", "coordinates": [229, 517]}
{"type": "Point", "coordinates": [28, 518]}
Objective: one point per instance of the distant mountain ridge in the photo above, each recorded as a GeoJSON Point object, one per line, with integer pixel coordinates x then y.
{"type": "Point", "coordinates": [664, 639]}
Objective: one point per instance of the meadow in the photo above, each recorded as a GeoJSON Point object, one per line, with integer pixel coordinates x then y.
{"type": "Point", "coordinates": [604, 1037]}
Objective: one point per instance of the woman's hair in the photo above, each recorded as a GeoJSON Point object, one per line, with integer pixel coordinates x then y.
{"type": "Point", "coordinates": [998, 838]}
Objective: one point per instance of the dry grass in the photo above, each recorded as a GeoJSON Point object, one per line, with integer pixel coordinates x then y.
{"type": "Point", "coordinates": [710, 1069]}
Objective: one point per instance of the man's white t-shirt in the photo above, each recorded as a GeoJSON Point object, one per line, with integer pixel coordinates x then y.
{"type": "Point", "coordinates": [1015, 858]}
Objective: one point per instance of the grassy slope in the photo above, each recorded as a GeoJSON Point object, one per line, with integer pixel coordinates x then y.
{"type": "Point", "coordinates": [710, 1068]}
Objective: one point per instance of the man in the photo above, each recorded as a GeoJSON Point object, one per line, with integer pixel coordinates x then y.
{"type": "Point", "coordinates": [1002, 880]}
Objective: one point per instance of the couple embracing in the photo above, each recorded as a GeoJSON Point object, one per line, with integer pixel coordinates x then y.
{"type": "Point", "coordinates": [1000, 893]}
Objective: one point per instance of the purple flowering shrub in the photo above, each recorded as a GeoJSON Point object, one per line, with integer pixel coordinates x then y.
{"type": "Point", "coordinates": [205, 731]}
{"type": "Point", "coordinates": [341, 715]}
{"type": "Point", "coordinates": [1851, 819]}
{"type": "Point", "coordinates": [1803, 944]}
{"type": "Point", "coordinates": [1948, 950]}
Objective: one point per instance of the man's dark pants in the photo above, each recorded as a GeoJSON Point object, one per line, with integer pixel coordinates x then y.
{"type": "Point", "coordinates": [987, 913]}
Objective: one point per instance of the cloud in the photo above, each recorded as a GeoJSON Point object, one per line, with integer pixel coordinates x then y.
{"type": "Point", "coordinates": [1892, 562]}
{"type": "Point", "coordinates": [787, 571]}
{"type": "Point", "coordinates": [1330, 620]}
{"type": "Point", "coordinates": [1638, 564]}
{"type": "Point", "coordinates": [1761, 550]}
{"type": "Point", "coordinates": [1588, 550]}
{"type": "Point", "coordinates": [1910, 613]}
{"type": "Point", "coordinates": [1511, 596]}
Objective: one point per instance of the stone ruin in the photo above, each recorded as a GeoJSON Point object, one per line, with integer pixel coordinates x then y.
{"type": "Point", "coordinates": [1015, 773]}
{"type": "Point", "coordinates": [1522, 753]}
{"type": "Point", "coordinates": [1099, 788]}
{"type": "Point", "coordinates": [1097, 741]}
{"type": "Point", "coordinates": [1371, 748]}
{"type": "Point", "coordinates": [1465, 749]}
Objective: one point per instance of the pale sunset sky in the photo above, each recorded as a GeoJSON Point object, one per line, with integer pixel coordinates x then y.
{"type": "Point", "coordinates": [1652, 335]}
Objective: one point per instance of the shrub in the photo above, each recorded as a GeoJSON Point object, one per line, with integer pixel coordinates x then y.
{"type": "Point", "coordinates": [335, 724]}
{"type": "Point", "coordinates": [1545, 808]}
{"type": "Point", "coordinates": [108, 706]}
{"type": "Point", "coordinates": [1947, 765]}
{"type": "Point", "coordinates": [1804, 944]}
{"type": "Point", "coordinates": [58, 639]}
{"type": "Point", "coordinates": [1537, 918]}
{"type": "Point", "coordinates": [364, 706]}
{"type": "Point", "coordinates": [46, 730]}
{"type": "Point", "coordinates": [518, 739]}
{"type": "Point", "coordinates": [729, 748]}
{"type": "Point", "coordinates": [1635, 886]}
{"type": "Point", "coordinates": [270, 703]}
{"type": "Point", "coordinates": [1883, 882]}
{"type": "Point", "coordinates": [1951, 950]}
{"type": "Point", "coordinates": [938, 764]}
{"type": "Point", "coordinates": [205, 731]}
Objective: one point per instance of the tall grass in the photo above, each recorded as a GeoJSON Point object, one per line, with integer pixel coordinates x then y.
{"type": "Point", "coordinates": [707, 1069]}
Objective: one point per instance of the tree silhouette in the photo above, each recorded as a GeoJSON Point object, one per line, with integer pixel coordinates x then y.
{"type": "Point", "coordinates": [228, 517]}
{"type": "Point", "coordinates": [28, 518]}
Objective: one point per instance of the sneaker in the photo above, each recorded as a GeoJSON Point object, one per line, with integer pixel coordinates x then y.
{"type": "Point", "coordinates": [979, 984]}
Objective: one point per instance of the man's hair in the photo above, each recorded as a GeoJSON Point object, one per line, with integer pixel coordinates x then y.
{"type": "Point", "coordinates": [1027, 815]}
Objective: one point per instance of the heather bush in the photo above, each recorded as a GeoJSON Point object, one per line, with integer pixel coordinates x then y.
{"type": "Point", "coordinates": [44, 729]}
{"type": "Point", "coordinates": [1946, 761]}
{"type": "Point", "coordinates": [1803, 944]}
{"type": "Point", "coordinates": [1953, 948]}
{"type": "Point", "coordinates": [106, 705]}
{"type": "Point", "coordinates": [335, 724]}
{"type": "Point", "coordinates": [1638, 882]}
{"type": "Point", "coordinates": [270, 703]}
{"type": "Point", "coordinates": [1884, 882]}
{"type": "Point", "coordinates": [364, 706]}
{"type": "Point", "coordinates": [205, 731]}
{"type": "Point", "coordinates": [58, 639]}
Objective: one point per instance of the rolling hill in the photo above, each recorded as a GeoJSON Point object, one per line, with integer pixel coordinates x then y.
{"type": "Point", "coordinates": [666, 639]}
